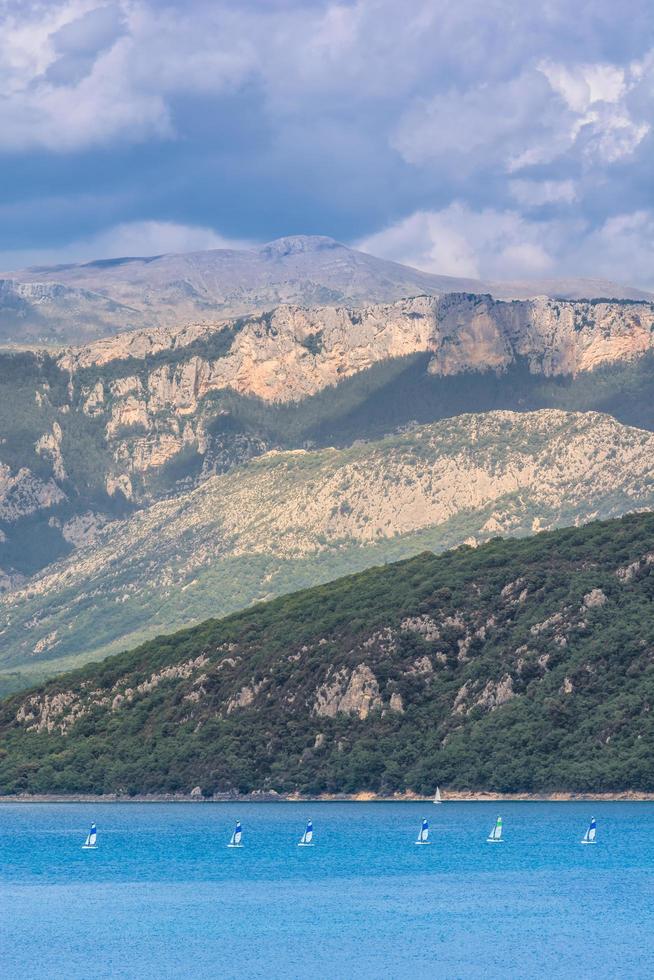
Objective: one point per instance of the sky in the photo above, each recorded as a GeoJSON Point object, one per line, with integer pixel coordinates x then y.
{"type": "Point", "coordinates": [494, 139]}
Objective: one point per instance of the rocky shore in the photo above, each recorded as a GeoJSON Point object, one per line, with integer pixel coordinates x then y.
{"type": "Point", "coordinates": [263, 796]}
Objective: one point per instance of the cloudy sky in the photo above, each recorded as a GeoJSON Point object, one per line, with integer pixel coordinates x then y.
{"type": "Point", "coordinates": [496, 139]}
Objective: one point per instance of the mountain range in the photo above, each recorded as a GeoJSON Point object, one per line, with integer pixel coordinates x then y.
{"type": "Point", "coordinates": [73, 304]}
{"type": "Point", "coordinates": [158, 476]}
{"type": "Point", "coordinates": [227, 428]}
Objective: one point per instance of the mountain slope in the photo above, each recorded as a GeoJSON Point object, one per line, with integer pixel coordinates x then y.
{"type": "Point", "coordinates": [297, 518]}
{"type": "Point", "coordinates": [75, 303]}
{"type": "Point", "coordinates": [98, 431]}
{"type": "Point", "coordinates": [90, 435]}
{"type": "Point", "coordinates": [523, 665]}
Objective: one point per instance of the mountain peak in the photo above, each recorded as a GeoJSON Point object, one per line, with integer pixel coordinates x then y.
{"type": "Point", "coordinates": [297, 244]}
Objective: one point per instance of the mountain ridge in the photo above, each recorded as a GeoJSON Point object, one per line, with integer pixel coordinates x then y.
{"type": "Point", "coordinates": [77, 302]}
{"type": "Point", "coordinates": [90, 434]}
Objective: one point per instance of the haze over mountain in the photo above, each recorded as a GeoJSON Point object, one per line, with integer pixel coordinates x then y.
{"type": "Point", "coordinates": [67, 304]}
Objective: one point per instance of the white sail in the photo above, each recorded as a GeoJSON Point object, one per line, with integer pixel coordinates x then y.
{"type": "Point", "coordinates": [307, 837]}
{"type": "Point", "coordinates": [91, 840]}
{"type": "Point", "coordinates": [235, 840]}
{"type": "Point", "coordinates": [437, 796]}
{"type": "Point", "coordinates": [589, 836]}
{"type": "Point", "coordinates": [423, 834]}
{"type": "Point", "coordinates": [495, 836]}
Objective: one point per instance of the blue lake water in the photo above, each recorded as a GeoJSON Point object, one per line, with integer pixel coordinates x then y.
{"type": "Point", "coordinates": [164, 897]}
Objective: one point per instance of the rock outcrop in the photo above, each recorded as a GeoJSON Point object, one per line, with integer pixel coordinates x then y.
{"type": "Point", "coordinates": [348, 693]}
{"type": "Point", "coordinates": [22, 493]}
{"type": "Point", "coordinates": [295, 352]}
{"type": "Point", "coordinates": [151, 391]}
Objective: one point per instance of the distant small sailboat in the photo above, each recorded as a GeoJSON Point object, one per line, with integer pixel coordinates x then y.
{"type": "Point", "coordinates": [495, 836]}
{"type": "Point", "coordinates": [90, 844]}
{"type": "Point", "coordinates": [437, 796]}
{"type": "Point", "coordinates": [307, 837]}
{"type": "Point", "coordinates": [235, 840]}
{"type": "Point", "coordinates": [589, 836]}
{"type": "Point", "coordinates": [423, 836]}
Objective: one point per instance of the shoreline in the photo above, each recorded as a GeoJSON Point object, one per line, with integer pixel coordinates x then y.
{"type": "Point", "coordinates": [454, 796]}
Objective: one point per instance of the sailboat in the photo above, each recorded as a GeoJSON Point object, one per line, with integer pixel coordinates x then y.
{"type": "Point", "coordinates": [437, 796]}
{"type": "Point", "coordinates": [423, 836]}
{"type": "Point", "coordinates": [495, 836]}
{"type": "Point", "coordinates": [307, 837]}
{"type": "Point", "coordinates": [589, 836]}
{"type": "Point", "coordinates": [235, 840]}
{"type": "Point", "coordinates": [90, 844]}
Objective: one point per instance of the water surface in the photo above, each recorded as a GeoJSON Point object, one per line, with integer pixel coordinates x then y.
{"type": "Point", "coordinates": [164, 897]}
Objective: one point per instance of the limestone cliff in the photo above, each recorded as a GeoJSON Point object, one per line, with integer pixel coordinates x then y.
{"type": "Point", "coordinates": [121, 422]}
{"type": "Point", "coordinates": [295, 352]}
{"type": "Point", "coordinates": [148, 388]}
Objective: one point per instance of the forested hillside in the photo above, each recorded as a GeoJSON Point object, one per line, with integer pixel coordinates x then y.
{"type": "Point", "coordinates": [519, 665]}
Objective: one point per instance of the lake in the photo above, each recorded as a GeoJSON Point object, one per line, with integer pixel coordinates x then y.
{"type": "Point", "coordinates": [164, 897]}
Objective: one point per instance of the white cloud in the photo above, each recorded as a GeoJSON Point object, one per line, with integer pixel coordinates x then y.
{"type": "Point", "coordinates": [596, 94]}
{"type": "Point", "coordinates": [487, 123]}
{"type": "Point", "coordinates": [622, 247]}
{"type": "Point", "coordinates": [494, 244]}
{"type": "Point", "coordinates": [154, 238]}
{"type": "Point", "coordinates": [541, 113]}
{"type": "Point", "coordinates": [458, 241]}
{"type": "Point", "coordinates": [76, 73]}
{"type": "Point", "coordinates": [582, 85]}
{"type": "Point", "coordinates": [128, 239]}
{"type": "Point", "coordinates": [535, 193]}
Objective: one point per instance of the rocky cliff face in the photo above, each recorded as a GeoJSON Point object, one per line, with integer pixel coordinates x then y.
{"type": "Point", "coordinates": [294, 353]}
{"type": "Point", "coordinates": [555, 337]}
{"type": "Point", "coordinates": [123, 421]}
{"type": "Point", "coordinates": [22, 493]}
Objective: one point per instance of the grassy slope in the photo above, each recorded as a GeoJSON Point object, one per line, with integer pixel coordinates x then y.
{"type": "Point", "coordinates": [511, 614]}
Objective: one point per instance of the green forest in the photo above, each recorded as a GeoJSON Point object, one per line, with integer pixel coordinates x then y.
{"type": "Point", "coordinates": [523, 665]}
